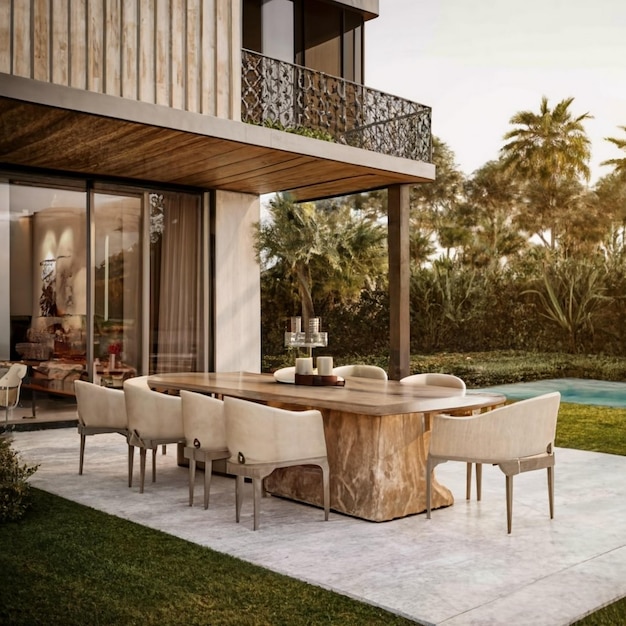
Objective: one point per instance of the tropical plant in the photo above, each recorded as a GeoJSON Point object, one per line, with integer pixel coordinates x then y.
{"type": "Point", "coordinates": [571, 292]}
{"type": "Point", "coordinates": [433, 207]}
{"type": "Point", "coordinates": [620, 164]}
{"type": "Point", "coordinates": [491, 203]}
{"type": "Point", "coordinates": [327, 252]}
{"type": "Point", "coordinates": [549, 151]}
{"type": "Point", "coordinates": [14, 487]}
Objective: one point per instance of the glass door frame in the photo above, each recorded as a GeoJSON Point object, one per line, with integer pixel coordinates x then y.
{"type": "Point", "coordinates": [92, 186]}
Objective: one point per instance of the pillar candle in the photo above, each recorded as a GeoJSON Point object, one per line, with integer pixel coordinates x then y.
{"type": "Point", "coordinates": [296, 324]}
{"type": "Point", "coordinates": [325, 365]}
{"type": "Point", "coordinates": [304, 366]}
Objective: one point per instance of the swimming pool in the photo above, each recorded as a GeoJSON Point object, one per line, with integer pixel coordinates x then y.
{"type": "Point", "coordinates": [576, 390]}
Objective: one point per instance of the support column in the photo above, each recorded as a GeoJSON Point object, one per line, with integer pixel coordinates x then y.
{"type": "Point", "coordinates": [399, 282]}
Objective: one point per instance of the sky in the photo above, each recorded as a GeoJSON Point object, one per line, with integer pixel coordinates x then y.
{"type": "Point", "coordinates": [478, 62]}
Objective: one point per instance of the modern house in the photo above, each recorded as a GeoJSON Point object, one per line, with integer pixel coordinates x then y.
{"type": "Point", "coordinates": [136, 138]}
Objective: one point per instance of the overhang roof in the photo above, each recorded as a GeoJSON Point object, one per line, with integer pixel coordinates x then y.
{"type": "Point", "coordinates": [64, 129]}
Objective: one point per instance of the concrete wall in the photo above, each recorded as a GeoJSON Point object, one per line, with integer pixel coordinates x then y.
{"type": "Point", "coordinates": [237, 290]}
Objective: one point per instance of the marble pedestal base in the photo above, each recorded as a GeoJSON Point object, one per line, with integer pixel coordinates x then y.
{"type": "Point", "coordinates": [377, 467]}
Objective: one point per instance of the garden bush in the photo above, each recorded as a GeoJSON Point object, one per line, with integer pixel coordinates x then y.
{"type": "Point", "coordinates": [14, 488]}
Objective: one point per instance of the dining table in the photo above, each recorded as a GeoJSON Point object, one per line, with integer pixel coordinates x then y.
{"type": "Point", "coordinates": [377, 435]}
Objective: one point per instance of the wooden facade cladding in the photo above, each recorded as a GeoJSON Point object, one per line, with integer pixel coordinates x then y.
{"type": "Point", "coordinates": [183, 54]}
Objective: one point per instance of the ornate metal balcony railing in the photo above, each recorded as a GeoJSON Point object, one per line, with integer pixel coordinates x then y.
{"type": "Point", "coordinates": [297, 99]}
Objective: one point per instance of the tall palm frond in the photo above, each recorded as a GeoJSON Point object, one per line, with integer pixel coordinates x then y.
{"type": "Point", "coordinates": [620, 164]}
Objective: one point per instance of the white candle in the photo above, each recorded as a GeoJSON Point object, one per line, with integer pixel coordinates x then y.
{"type": "Point", "coordinates": [304, 366]}
{"type": "Point", "coordinates": [325, 365]}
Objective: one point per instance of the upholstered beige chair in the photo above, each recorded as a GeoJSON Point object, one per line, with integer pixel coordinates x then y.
{"type": "Point", "coordinates": [100, 410]}
{"type": "Point", "coordinates": [205, 437]}
{"type": "Point", "coordinates": [262, 438]}
{"type": "Point", "coordinates": [518, 438]}
{"type": "Point", "coordinates": [154, 419]}
{"type": "Point", "coordinates": [10, 386]}
{"type": "Point", "coordinates": [437, 379]}
{"type": "Point", "coordinates": [360, 371]}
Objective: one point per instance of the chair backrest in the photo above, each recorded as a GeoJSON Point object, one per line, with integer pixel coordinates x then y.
{"type": "Point", "coordinates": [514, 431]}
{"type": "Point", "coordinates": [203, 420]}
{"type": "Point", "coordinates": [100, 406]}
{"type": "Point", "coordinates": [436, 379]}
{"type": "Point", "coordinates": [151, 414]}
{"type": "Point", "coordinates": [14, 375]}
{"type": "Point", "coordinates": [11, 383]}
{"type": "Point", "coordinates": [265, 434]}
{"type": "Point", "coordinates": [361, 371]}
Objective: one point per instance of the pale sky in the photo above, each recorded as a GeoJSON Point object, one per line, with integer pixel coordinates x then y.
{"type": "Point", "coordinates": [478, 62]}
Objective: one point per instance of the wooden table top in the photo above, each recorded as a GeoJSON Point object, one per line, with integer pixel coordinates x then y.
{"type": "Point", "coordinates": [364, 396]}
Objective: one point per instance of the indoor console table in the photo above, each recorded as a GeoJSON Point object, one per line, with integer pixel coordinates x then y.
{"type": "Point", "coordinates": [377, 435]}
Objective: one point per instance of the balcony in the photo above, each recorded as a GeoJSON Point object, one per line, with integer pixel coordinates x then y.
{"type": "Point", "coordinates": [289, 97]}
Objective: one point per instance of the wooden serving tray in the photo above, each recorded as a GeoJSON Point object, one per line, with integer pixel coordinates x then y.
{"type": "Point", "coordinates": [315, 380]}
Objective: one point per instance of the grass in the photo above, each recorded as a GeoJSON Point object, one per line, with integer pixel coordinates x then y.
{"type": "Point", "coordinates": [68, 564]}
{"type": "Point", "coordinates": [597, 429]}
{"type": "Point", "coordinates": [65, 563]}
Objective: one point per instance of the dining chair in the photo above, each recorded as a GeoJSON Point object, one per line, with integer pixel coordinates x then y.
{"type": "Point", "coordinates": [10, 387]}
{"type": "Point", "coordinates": [435, 378]}
{"type": "Point", "coordinates": [263, 438]}
{"type": "Point", "coordinates": [438, 379]}
{"type": "Point", "coordinates": [360, 371]}
{"type": "Point", "coordinates": [205, 437]}
{"type": "Point", "coordinates": [518, 438]}
{"type": "Point", "coordinates": [100, 410]}
{"type": "Point", "coordinates": [154, 419]}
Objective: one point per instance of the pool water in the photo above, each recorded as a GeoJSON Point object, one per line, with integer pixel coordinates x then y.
{"type": "Point", "coordinates": [575, 390]}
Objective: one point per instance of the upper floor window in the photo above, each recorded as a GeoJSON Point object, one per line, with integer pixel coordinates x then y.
{"type": "Point", "coordinates": [316, 34]}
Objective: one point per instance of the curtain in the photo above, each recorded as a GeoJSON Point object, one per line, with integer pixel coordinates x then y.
{"type": "Point", "coordinates": [178, 294]}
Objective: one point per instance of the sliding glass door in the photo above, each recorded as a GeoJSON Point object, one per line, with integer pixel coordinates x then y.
{"type": "Point", "coordinates": [117, 270]}
{"type": "Point", "coordinates": [102, 281]}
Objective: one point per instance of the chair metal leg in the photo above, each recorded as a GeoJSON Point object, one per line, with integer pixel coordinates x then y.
{"type": "Point", "coordinates": [142, 466]}
{"type": "Point", "coordinates": [429, 473]}
{"type": "Point", "coordinates": [208, 468]}
{"type": "Point", "coordinates": [82, 454]}
{"type": "Point", "coordinates": [257, 485]}
{"type": "Point", "coordinates": [192, 478]}
{"type": "Point", "coordinates": [131, 459]}
{"type": "Point", "coordinates": [326, 486]}
{"type": "Point", "coordinates": [551, 490]}
{"type": "Point", "coordinates": [468, 481]}
{"type": "Point", "coordinates": [238, 497]}
{"type": "Point", "coordinates": [509, 503]}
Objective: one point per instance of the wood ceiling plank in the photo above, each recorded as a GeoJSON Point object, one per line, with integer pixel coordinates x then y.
{"type": "Point", "coordinates": [43, 136]}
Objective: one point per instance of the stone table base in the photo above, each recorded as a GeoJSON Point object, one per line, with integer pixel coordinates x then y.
{"type": "Point", "coordinates": [377, 467]}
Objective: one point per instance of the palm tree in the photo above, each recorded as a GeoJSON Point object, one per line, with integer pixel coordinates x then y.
{"type": "Point", "coordinates": [433, 207]}
{"type": "Point", "coordinates": [489, 213]}
{"type": "Point", "coordinates": [550, 152]}
{"type": "Point", "coordinates": [620, 164]}
{"type": "Point", "coordinates": [327, 249]}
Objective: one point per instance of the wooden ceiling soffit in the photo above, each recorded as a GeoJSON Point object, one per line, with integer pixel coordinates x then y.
{"type": "Point", "coordinates": [48, 137]}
